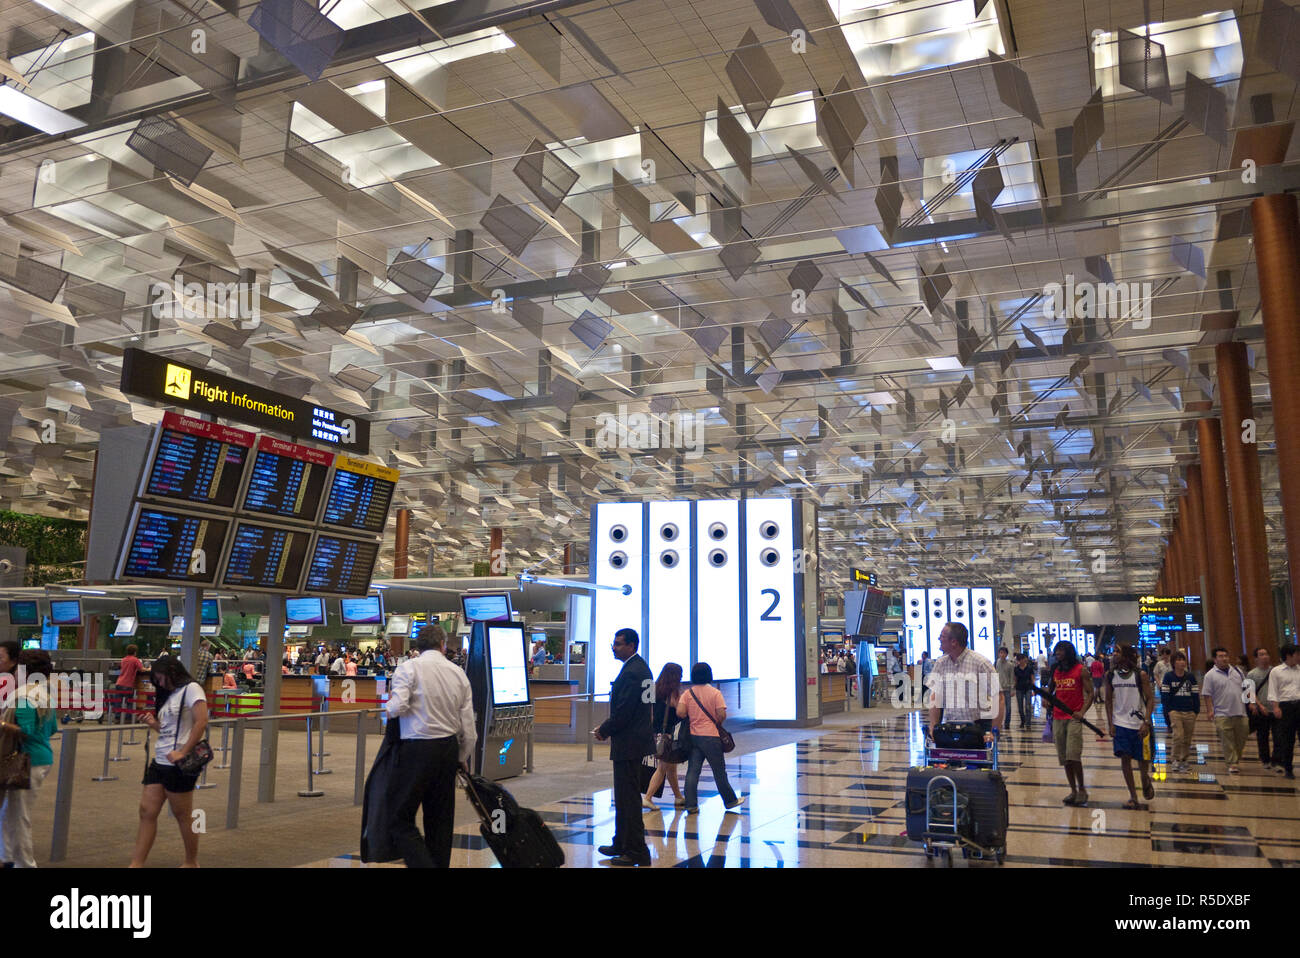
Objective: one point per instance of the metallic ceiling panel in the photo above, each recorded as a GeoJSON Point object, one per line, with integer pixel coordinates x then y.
{"type": "Point", "coordinates": [754, 76]}
{"type": "Point", "coordinates": [298, 32]}
{"type": "Point", "coordinates": [1143, 67]}
{"type": "Point", "coordinates": [169, 148]}
{"type": "Point", "coordinates": [594, 116]}
{"type": "Point", "coordinates": [736, 141]}
{"type": "Point", "coordinates": [509, 225]}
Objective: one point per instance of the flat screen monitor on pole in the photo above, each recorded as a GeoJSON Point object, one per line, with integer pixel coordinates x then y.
{"type": "Point", "coordinates": [304, 611]}
{"type": "Point", "coordinates": [486, 607]}
{"type": "Point", "coordinates": [153, 611]}
{"type": "Point", "coordinates": [65, 612]}
{"type": "Point", "coordinates": [24, 612]}
{"type": "Point", "coordinates": [210, 612]}
{"type": "Point", "coordinates": [364, 611]}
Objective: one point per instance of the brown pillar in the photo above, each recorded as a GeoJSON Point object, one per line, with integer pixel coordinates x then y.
{"type": "Point", "coordinates": [401, 539]}
{"type": "Point", "coordinates": [496, 554]}
{"type": "Point", "coordinates": [1277, 251]}
{"type": "Point", "coordinates": [1225, 610]}
{"type": "Point", "coordinates": [1249, 545]}
{"type": "Point", "coordinates": [568, 558]}
{"type": "Point", "coordinates": [1200, 559]}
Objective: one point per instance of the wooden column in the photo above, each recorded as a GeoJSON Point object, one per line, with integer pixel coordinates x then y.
{"type": "Point", "coordinates": [1277, 252]}
{"type": "Point", "coordinates": [496, 554]}
{"type": "Point", "coordinates": [1200, 560]}
{"type": "Point", "coordinates": [401, 542]}
{"type": "Point", "coordinates": [1225, 610]}
{"type": "Point", "coordinates": [568, 558]}
{"type": "Point", "coordinates": [1249, 545]}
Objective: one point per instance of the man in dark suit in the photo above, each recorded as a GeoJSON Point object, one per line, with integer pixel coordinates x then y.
{"type": "Point", "coordinates": [630, 739]}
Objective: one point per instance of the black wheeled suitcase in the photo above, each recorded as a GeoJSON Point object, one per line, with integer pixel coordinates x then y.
{"type": "Point", "coordinates": [517, 836]}
{"type": "Point", "coordinates": [982, 810]}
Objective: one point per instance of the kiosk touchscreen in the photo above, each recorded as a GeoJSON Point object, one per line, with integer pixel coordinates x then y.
{"type": "Point", "coordinates": [497, 666]}
{"type": "Point", "coordinates": [508, 663]}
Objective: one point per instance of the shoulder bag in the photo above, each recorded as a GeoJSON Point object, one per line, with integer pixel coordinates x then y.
{"type": "Point", "coordinates": [199, 756]}
{"type": "Point", "coordinates": [15, 764]}
{"type": "Point", "coordinates": [728, 743]}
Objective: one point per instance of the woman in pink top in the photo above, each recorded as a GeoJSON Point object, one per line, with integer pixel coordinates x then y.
{"type": "Point", "coordinates": [351, 667]}
{"type": "Point", "coordinates": [705, 707]}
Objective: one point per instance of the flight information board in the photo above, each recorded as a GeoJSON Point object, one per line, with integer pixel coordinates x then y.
{"type": "Point", "coordinates": [360, 495]}
{"type": "Point", "coordinates": [266, 557]}
{"type": "Point", "coordinates": [197, 461]}
{"type": "Point", "coordinates": [341, 566]}
{"type": "Point", "coordinates": [287, 480]}
{"type": "Point", "coordinates": [164, 546]}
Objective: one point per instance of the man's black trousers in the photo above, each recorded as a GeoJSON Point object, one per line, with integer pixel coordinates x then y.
{"type": "Point", "coordinates": [425, 775]}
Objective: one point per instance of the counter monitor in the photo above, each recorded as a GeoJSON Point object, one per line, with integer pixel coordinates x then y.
{"type": "Point", "coordinates": [304, 611]}
{"type": "Point", "coordinates": [65, 612]}
{"type": "Point", "coordinates": [360, 495]}
{"type": "Point", "coordinates": [367, 611]}
{"type": "Point", "coordinates": [173, 547]}
{"type": "Point", "coordinates": [126, 627]}
{"type": "Point", "coordinates": [210, 612]}
{"type": "Point", "coordinates": [287, 480]}
{"type": "Point", "coordinates": [153, 611]}
{"type": "Point", "coordinates": [486, 607]}
{"type": "Point", "coordinates": [508, 660]}
{"type": "Point", "coordinates": [24, 612]}
{"type": "Point", "coordinates": [196, 461]}
{"type": "Point", "coordinates": [341, 566]}
{"type": "Point", "coordinates": [398, 625]}
{"type": "Point", "coordinates": [266, 557]}
{"type": "Point", "coordinates": [178, 626]}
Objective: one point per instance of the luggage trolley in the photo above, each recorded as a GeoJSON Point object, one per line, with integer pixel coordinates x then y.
{"type": "Point", "coordinates": [948, 822]}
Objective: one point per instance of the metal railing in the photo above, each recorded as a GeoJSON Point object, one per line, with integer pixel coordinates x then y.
{"type": "Point", "coordinates": [233, 731]}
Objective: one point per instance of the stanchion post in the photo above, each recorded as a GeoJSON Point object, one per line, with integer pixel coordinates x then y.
{"type": "Point", "coordinates": [63, 795]}
{"type": "Point", "coordinates": [310, 791]}
{"type": "Point", "coordinates": [236, 766]}
{"type": "Point", "coordinates": [225, 747]}
{"type": "Point", "coordinates": [591, 708]}
{"type": "Point", "coordinates": [320, 746]}
{"type": "Point", "coordinates": [528, 755]}
{"type": "Point", "coordinates": [117, 718]}
{"type": "Point", "coordinates": [105, 777]}
{"type": "Point", "coordinates": [359, 787]}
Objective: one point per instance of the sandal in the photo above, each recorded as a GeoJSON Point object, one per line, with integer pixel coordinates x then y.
{"type": "Point", "coordinates": [1133, 805]}
{"type": "Point", "coordinates": [1149, 792]}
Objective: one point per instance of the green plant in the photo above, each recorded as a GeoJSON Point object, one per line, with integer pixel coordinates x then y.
{"type": "Point", "coordinates": [56, 548]}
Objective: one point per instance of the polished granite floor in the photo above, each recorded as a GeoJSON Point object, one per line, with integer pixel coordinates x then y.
{"type": "Point", "coordinates": [836, 801]}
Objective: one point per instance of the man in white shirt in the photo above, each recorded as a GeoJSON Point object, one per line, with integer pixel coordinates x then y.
{"type": "Point", "coordinates": [1221, 690]}
{"type": "Point", "coordinates": [1043, 676]}
{"type": "Point", "coordinates": [322, 662]}
{"type": "Point", "coordinates": [432, 700]}
{"type": "Point", "coordinates": [963, 685]}
{"type": "Point", "coordinates": [1284, 693]}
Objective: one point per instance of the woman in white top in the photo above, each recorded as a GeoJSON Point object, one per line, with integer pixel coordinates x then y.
{"type": "Point", "coordinates": [179, 720]}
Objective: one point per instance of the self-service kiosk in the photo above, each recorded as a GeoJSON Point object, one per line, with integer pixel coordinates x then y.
{"type": "Point", "coordinates": [497, 666]}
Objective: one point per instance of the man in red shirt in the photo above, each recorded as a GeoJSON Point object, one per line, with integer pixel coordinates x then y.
{"type": "Point", "coordinates": [1073, 686]}
{"type": "Point", "coordinates": [127, 677]}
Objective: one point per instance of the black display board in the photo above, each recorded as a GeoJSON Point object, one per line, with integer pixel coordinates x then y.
{"type": "Point", "coordinates": [341, 565]}
{"type": "Point", "coordinates": [196, 462]}
{"type": "Point", "coordinates": [160, 546]}
{"type": "Point", "coordinates": [360, 496]}
{"type": "Point", "coordinates": [286, 480]}
{"type": "Point", "coordinates": [266, 557]}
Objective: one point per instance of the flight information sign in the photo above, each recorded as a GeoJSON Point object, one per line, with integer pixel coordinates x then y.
{"type": "Point", "coordinates": [341, 566]}
{"type": "Point", "coordinates": [360, 495]}
{"type": "Point", "coordinates": [1168, 619]}
{"type": "Point", "coordinates": [197, 462]}
{"type": "Point", "coordinates": [287, 480]}
{"type": "Point", "coordinates": [172, 547]}
{"type": "Point", "coordinates": [266, 557]}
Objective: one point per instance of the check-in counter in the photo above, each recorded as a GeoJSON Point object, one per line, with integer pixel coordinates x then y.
{"type": "Point", "coordinates": [301, 694]}
{"type": "Point", "coordinates": [835, 696]}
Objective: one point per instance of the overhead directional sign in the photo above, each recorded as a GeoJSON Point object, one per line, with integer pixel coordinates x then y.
{"type": "Point", "coordinates": [174, 383]}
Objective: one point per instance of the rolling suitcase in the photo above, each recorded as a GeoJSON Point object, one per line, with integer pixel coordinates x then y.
{"type": "Point", "coordinates": [517, 836]}
{"type": "Point", "coordinates": [952, 806]}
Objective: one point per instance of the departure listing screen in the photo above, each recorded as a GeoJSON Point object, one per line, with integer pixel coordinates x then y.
{"type": "Point", "coordinates": [360, 495]}
{"type": "Point", "coordinates": [509, 665]}
{"type": "Point", "coordinates": [162, 547]}
{"type": "Point", "coordinates": [287, 480]}
{"type": "Point", "coordinates": [341, 566]}
{"type": "Point", "coordinates": [197, 461]}
{"type": "Point", "coordinates": [266, 557]}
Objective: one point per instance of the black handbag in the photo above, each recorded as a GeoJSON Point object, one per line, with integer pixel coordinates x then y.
{"type": "Point", "coordinates": [199, 756]}
{"type": "Point", "coordinates": [15, 764]}
{"type": "Point", "coordinates": [959, 735]}
{"type": "Point", "coordinates": [724, 737]}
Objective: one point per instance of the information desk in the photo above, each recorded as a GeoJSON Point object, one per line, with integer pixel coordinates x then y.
{"type": "Point", "coordinates": [570, 720]}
